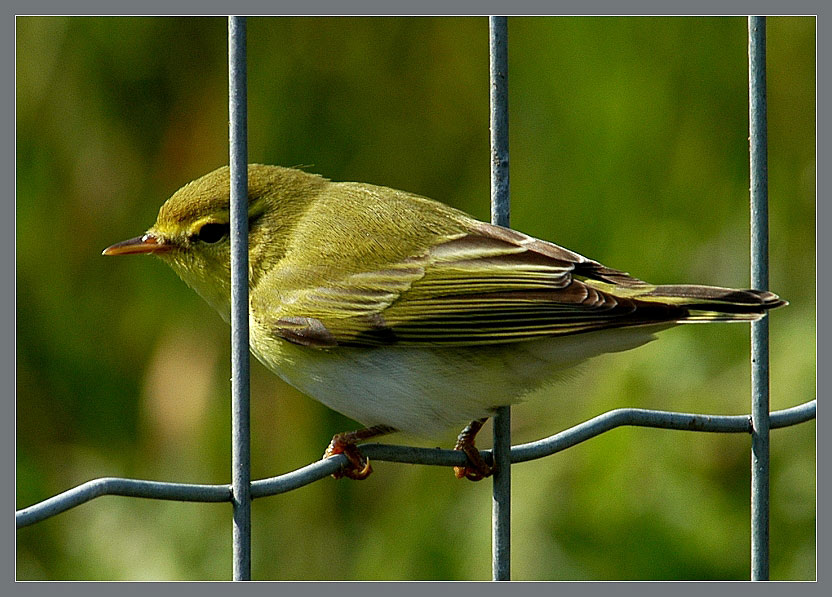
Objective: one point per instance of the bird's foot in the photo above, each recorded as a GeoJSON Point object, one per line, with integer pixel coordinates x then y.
{"type": "Point", "coordinates": [477, 468]}
{"type": "Point", "coordinates": [358, 466]}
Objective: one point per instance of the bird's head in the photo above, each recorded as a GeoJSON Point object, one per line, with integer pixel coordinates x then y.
{"type": "Point", "coordinates": [192, 231]}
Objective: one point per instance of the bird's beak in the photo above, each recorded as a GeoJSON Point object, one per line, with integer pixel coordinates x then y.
{"type": "Point", "coordinates": [146, 243]}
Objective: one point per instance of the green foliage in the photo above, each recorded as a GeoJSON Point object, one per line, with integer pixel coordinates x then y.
{"type": "Point", "coordinates": [629, 145]}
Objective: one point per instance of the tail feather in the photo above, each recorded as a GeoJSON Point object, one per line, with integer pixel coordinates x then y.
{"type": "Point", "coordinates": [712, 303]}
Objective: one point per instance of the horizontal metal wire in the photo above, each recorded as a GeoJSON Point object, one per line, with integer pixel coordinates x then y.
{"type": "Point", "coordinates": [157, 490]}
{"type": "Point", "coordinates": [188, 492]}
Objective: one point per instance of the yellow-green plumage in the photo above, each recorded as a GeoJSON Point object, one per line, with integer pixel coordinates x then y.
{"type": "Point", "coordinates": [397, 310]}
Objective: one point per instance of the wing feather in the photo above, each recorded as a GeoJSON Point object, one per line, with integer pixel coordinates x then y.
{"type": "Point", "coordinates": [490, 285]}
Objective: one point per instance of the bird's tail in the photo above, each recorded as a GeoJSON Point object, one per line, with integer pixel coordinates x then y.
{"type": "Point", "coordinates": [711, 303]}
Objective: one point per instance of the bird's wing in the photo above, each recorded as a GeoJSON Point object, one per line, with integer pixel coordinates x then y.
{"type": "Point", "coordinates": [487, 286]}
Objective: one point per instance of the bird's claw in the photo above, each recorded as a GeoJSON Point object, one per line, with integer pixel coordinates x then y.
{"type": "Point", "coordinates": [477, 468]}
{"type": "Point", "coordinates": [358, 466]}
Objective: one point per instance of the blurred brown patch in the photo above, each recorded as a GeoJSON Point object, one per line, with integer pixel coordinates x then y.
{"type": "Point", "coordinates": [177, 386]}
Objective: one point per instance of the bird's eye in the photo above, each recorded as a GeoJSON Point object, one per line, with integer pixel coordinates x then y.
{"type": "Point", "coordinates": [212, 232]}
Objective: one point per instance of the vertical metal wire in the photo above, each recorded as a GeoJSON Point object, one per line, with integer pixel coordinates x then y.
{"type": "Point", "coordinates": [501, 493]}
{"type": "Point", "coordinates": [240, 418]}
{"type": "Point", "coordinates": [760, 420]}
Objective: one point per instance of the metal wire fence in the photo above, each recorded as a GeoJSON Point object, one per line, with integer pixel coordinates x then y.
{"type": "Point", "coordinates": [242, 490]}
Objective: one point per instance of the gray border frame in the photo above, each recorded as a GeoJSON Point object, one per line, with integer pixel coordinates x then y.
{"type": "Point", "coordinates": [377, 7]}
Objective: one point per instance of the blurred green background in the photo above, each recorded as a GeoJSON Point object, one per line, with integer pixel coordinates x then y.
{"type": "Point", "coordinates": [628, 144]}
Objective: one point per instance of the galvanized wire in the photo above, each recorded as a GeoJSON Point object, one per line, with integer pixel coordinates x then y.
{"type": "Point", "coordinates": [759, 280]}
{"type": "Point", "coordinates": [157, 490]}
{"type": "Point", "coordinates": [321, 469]}
{"type": "Point", "coordinates": [240, 411]}
{"type": "Point", "coordinates": [501, 490]}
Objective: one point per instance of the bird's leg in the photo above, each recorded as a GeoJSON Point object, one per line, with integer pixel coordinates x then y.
{"type": "Point", "coordinates": [344, 443]}
{"type": "Point", "coordinates": [476, 469]}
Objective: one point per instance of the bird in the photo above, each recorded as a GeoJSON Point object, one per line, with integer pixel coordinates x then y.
{"type": "Point", "coordinates": [406, 314]}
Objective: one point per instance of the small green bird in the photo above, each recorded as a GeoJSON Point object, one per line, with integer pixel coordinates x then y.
{"type": "Point", "coordinates": [406, 314]}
